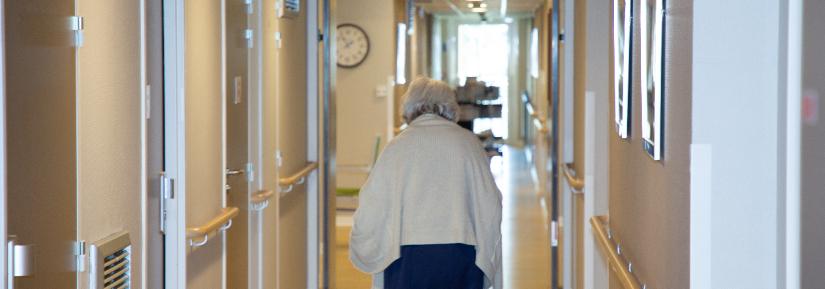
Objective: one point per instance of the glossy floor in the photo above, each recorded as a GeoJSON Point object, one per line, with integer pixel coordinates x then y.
{"type": "Point", "coordinates": [524, 229]}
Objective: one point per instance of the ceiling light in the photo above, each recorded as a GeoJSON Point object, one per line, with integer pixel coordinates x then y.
{"type": "Point", "coordinates": [479, 9]}
{"type": "Point", "coordinates": [475, 5]}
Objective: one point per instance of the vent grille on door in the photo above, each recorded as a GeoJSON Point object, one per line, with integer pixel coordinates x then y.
{"type": "Point", "coordinates": [111, 262]}
{"type": "Point", "coordinates": [289, 8]}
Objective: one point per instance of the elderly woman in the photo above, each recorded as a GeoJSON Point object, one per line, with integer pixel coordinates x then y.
{"type": "Point", "coordinates": [430, 212]}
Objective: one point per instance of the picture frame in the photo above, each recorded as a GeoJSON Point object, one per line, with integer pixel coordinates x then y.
{"type": "Point", "coordinates": [653, 42]}
{"type": "Point", "coordinates": [621, 65]}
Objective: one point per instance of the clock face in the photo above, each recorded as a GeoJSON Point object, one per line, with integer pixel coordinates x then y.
{"type": "Point", "coordinates": [353, 45]}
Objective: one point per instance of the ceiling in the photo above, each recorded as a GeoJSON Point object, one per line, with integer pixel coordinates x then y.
{"type": "Point", "coordinates": [446, 7]}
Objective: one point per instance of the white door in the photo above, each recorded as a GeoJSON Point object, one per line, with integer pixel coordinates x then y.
{"type": "Point", "coordinates": [197, 219]}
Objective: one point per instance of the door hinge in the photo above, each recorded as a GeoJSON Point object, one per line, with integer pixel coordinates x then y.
{"type": "Point", "coordinates": [279, 8]}
{"type": "Point", "coordinates": [554, 234]}
{"type": "Point", "coordinates": [320, 36]}
{"type": "Point", "coordinates": [247, 33]}
{"type": "Point", "coordinates": [20, 261]}
{"type": "Point", "coordinates": [148, 102]}
{"type": "Point", "coordinates": [80, 255]}
{"type": "Point", "coordinates": [279, 158]}
{"type": "Point", "coordinates": [249, 7]}
{"type": "Point", "coordinates": [167, 192]}
{"type": "Point", "coordinates": [250, 172]}
{"type": "Point", "coordinates": [77, 24]}
{"type": "Point", "coordinates": [278, 40]}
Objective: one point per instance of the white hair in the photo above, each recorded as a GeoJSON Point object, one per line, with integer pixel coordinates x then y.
{"type": "Point", "coordinates": [425, 96]}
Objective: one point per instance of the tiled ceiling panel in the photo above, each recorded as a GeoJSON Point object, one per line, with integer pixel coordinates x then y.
{"type": "Point", "coordinates": [493, 6]}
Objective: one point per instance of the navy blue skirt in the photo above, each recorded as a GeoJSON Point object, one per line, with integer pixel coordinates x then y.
{"type": "Point", "coordinates": [439, 266]}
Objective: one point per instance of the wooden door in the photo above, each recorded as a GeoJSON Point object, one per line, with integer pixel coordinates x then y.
{"type": "Point", "coordinates": [238, 174]}
{"type": "Point", "coordinates": [195, 145]}
{"type": "Point", "coordinates": [292, 143]}
{"type": "Point", "coordinates": [41, 138]}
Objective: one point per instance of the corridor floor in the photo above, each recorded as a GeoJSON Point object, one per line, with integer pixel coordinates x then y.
{"type": "Point", "coordinates": [525, 233]}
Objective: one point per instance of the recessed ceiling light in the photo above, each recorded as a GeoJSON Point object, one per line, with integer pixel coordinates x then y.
{"type": "Point", "coordinates": [476, 5]}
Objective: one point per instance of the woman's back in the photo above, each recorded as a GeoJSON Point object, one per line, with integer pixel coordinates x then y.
{"type": "Point", "coordinates": [435, 182]}
{"type": "Point", "coordinates": [430, 191]}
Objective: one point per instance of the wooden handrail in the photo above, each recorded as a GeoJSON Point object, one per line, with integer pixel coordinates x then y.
{"type": "Point", "coordinates": [575, 182]}
{"type": "Point", "coordinates": [541, 124]}
{"type": "Point", "coordinates": [261, 196]}
{"type": "Point", "coordinates": [213, 225]}
{"type": "Point", "coordinates": [299, 176]}
{"type": "Point", "coordinates": [539, 121]}
{"type": "Point", "coordinates": [615, 261]}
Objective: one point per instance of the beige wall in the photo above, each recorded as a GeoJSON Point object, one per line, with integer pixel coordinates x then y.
{"type": "Point", "coordinates": [109, 118]}
{"type": "Point", "coordinates": [650, 200]}
{"type": "Point", "coordinates": [361, 115]}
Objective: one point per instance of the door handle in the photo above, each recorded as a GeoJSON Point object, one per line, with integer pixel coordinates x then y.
{"type": "Point", "coordinates": [230, 172]}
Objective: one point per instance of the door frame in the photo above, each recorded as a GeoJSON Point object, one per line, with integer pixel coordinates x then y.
{"type": "Point", "coordinates": [174, 75]}
{"type": "Point", "coordinates": [553, 89]}
{"type": "Point", "coordinates": [174, 143]}
{"type": "Point", "coordinates": [3, 202]}
{"type": "Point", "coordinates": [793, 144]}
{"type": "Point", "coordinates": [327, 145]}
{"type": "Point", "coordinates": [314, 206]}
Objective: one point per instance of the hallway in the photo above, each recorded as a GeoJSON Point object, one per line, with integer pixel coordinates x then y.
{"type": "Point", "coordinates": [224, 144]}
{"type": "Point", "coordinates": [524, 227]}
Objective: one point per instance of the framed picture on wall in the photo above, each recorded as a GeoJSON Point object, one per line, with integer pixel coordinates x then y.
{"type": "Point", "coordinates": [653, 76]}
{"type": "Point", "coordinates": [622, 54]}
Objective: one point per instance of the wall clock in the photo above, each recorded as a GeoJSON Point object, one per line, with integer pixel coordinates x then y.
{"type": "Point", "coordinates": [353, 45]}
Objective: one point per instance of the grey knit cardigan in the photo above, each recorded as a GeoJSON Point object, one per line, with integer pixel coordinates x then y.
{"type": "Point", "coordinates": [431, 185]}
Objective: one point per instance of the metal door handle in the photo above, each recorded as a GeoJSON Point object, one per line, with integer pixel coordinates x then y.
{"type": "Point", "coordinates": [230, 172]}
